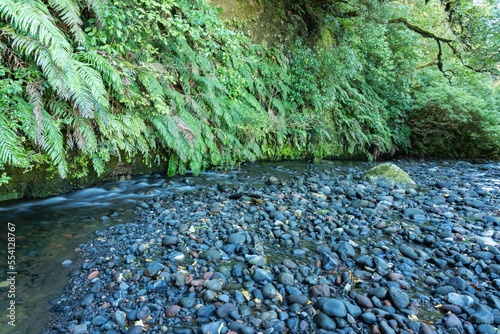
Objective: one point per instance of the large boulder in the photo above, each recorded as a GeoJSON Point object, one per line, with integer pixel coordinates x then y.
{"type": "Point", "coordinates": [389, 174]}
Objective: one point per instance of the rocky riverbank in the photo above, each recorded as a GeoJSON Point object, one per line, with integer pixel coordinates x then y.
{"type": "Point", "coordinates": [321, 251]}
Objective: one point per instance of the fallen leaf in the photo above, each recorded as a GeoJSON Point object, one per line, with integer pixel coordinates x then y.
{"type": "Point", "coordinates": [413, 317]}
{"type": "Point", "coordinates": [246, 294]}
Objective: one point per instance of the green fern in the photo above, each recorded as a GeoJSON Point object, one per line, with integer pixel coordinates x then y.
{"type": "Point", "coordinates": [54, 144]}
{"type": "Point", "coordinates": [70, 14]}
{"type": "Point", "coordinates": [11, 151]}
{"type": "Point", "coordinates": [173, 163]}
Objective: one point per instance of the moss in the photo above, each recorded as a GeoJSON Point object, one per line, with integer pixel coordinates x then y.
{"type": "Point", "coordinates": [266, 22]}
{"type": "Point", "coordinates": [326, 39]}
{"type": "Point", "coordinates": [390, 173]}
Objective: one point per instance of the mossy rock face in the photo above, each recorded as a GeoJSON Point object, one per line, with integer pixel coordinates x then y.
{"type": "Point", "coordinates": [390, 174]}
{"type": "Point", "coordinates": [41, 182]}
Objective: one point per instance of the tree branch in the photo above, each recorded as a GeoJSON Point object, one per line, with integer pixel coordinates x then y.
{"type": "Point", "coordinates": [324, 2]}
{"type": "Point", "coordinates": [422, 32]}
{"type": "Point", "coordinates": [431, 63]}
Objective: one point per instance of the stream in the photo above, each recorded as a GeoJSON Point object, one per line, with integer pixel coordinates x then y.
{"type": "Point", "coordinates": [49, 230]}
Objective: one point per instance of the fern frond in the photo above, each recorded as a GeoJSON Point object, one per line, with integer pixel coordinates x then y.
{"type": "Point", "coordinates": [173, 163]}
{"type": "Point", "coordinates": [108, 71]}
{"type": "Point", "coordinates": [84, 134]}
{"type": "Point", "coordinates": [70, 14]}
{"type": "Point", "coordinates": [59, 108]}
{"type": "Point", "coordinates": [99, 8]}
{"type": "Point", "coordinates": [34, 91]}
{"type": "Point", "coordinates": [153, 87]}
{"type": "Point", "coordinates": [34, 18]}
{"type": "Point", "coordinates": [93, 81]}
{"type": "Point", "coordinates": [54, 144]}
{"type": "Point", "coordinates": [43, 58]}
{"type": "Point", "coordinates": [11, 151]}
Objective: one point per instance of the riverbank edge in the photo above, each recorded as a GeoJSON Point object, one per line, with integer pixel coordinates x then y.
{"type": "Point", "coordinates": [44, 181]}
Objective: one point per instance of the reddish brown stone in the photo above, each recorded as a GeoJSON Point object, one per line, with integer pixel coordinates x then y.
{"type": "Point", "coordinates": [197, 282]}
{"type": "Point", "coordinates": [93, 274]}
{"type": "Point", "coordinates": [320, 290]}
{"type": "Point", "coordinates": [363, 301]}
{"type": "Point", "coordinates": [172, 311]}
{"type": "Point", "coordinates": [394, 276]}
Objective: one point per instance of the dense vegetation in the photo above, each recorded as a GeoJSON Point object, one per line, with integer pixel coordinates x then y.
{"type": "Point", "coordinates": [84, 81]}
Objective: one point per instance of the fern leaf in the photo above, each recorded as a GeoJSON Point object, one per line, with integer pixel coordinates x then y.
{"type": "Point", "coordinates": [173, 163]}
{"type": "Point", "coordinates": [108, 72]}
{"type": "Point", "coordinates": [99, 8]}
{"type": "Point", "coordinates": [11, 152]}
{"type": "Point", "coordinates": [54, 144]}
{"type": "Point", "coordinates": [34, 91]}
{"type": "Point", "coordinates": [70, 14]}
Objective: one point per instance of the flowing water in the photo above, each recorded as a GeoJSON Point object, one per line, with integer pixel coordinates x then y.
{"type": "Point", "coordinates": [49, 231]}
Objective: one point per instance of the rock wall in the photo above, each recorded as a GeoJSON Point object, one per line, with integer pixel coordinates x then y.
{"type": "Point", "coordinates": [44, 182]}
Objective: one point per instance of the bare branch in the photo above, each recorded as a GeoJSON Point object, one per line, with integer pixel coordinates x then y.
{"type": "Point", "coordinates": [422, 32]}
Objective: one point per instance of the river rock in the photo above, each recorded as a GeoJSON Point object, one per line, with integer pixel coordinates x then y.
{"type": "Point", "coordinates": [334, 307]}
{"type": "Point", "coordinates": [460, 300]}
{"type": "Point", "coordinates": [324, 322]}
{"type": "Point", "coordinates": [399, 298]}
{"type": "Point", "coordinates": [389, 173]}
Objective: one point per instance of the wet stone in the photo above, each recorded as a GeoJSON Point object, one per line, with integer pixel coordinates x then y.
{"type": "Point", "coordinates": [334, 307]}
{"type": "Point", "coordinates": [211, 254]}
{"type": "Point", "coordinates": [363, 301]}
{"type": "Point", "coordinates": [169, 241]}
{"type": "Point", "coordinates": [452, 321]}
{"type": "Point", "coordinates": [206, 311]}
{"type": "Point", "coordinates": [224, 310]}
{"type": "Point", "coordinates": [369, 318]}
{"type": "Point", "coordinates": [214, 285]}
{"type": "Point", "coordinates": [256, 260]}
{"type": "Point", "coordinates": [324, 322]}
{"type": "Point", "coordinates": [286, 279]}
{"type": "Point", "coordinates": [214, 327]}
{"type": "Point", "coordinates": [481, 317]}
{"type": "Point", "coordinates": [237, 238]}
{"type": "Point", "coordinates": [262, 275]}
{"type": "Point", "coordinates": [99, 320]}
{"type": "Point", "coordinates": [399, 298]}
{"type": "Point", "coordinates": [153, 269]}
{"type": "Point", "coordinates": [460, 300]}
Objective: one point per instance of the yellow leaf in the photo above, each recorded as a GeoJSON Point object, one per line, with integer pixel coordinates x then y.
{"type": "Point", "coordinates": [246, 294]}
{"type": "Point", "coordinates": [279, 297]}
{"type": "Point", "coordinates": [139, 323]}
{"type": "Point", "coordinates": [149, 260]}
{"type": "Point", "coordinates": [438, 306]}
{"type": "Point", "coordinates": [413, 317]}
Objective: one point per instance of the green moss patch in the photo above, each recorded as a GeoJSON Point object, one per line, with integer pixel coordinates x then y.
{"type": "Point", "coordinates": [389, 173]}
